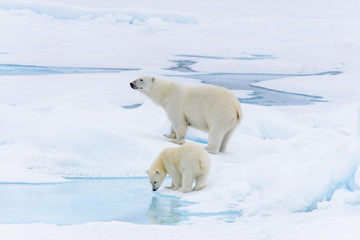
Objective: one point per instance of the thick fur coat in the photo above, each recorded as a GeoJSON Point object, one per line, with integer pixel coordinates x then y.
{"type": "Point", "coordinates": [209, 108]}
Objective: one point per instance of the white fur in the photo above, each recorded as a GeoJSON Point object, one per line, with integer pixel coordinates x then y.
{"type": "Point", "coordinates": [184, 164]}
{"type": "Point", "coordinates": [209, 108]}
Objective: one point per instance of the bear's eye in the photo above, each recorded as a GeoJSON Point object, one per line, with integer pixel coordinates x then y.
{"type": "Point", "coordinates": [141, 80]}
{"type": "Point", "coordinates": [155, 182]}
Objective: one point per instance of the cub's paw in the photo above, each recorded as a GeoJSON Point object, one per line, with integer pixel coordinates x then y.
{"type": "Point", "coordinates": [197, 188]}
{"type": "Point", "coordinates": [184, 190]}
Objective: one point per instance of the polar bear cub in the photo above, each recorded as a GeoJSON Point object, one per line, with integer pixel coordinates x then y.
{"type": "Point", "coordinates": [184, 164]}
{"type": "Point", "coordinates": [209, 108]}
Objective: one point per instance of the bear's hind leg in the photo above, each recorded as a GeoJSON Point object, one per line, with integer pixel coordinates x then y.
{"type": "Point", "coordinates": [226, 139]}
{"type": "Point", "coordinates": [214, 141]}
{"type": "Point", "coordinates": [200, 182]}
{"type": "Point", "coordinates": [187, 182]}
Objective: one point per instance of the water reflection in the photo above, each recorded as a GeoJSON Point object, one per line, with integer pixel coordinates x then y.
{"type": "Point", "coordinates": [165, 210]}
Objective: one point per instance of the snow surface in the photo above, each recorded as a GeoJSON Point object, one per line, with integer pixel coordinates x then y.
{"type": "Point", "coordinates": [291, 172]}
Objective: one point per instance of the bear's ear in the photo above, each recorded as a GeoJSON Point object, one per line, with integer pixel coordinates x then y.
{"type": "Point", "coordinates": [157, 171]}
{"type": "Point", "coordinates": [153, 79]}
{"type": "Point", "coordinates": [147, 171]}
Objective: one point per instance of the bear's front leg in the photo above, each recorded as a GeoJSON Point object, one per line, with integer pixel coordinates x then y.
{"type": "Point", "coordinates": [180, 130]}
{"type": "Point", "coordinates": [179, 124]}
{"type": "Point", "coordinates": [172, 134]}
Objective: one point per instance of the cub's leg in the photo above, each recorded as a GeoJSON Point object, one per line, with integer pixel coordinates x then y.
{"type": "Point", "coordinates": [187, 181]}
{"type": "Point", "coordinates": [176, 181]}
{"type": "Point", "coordinates": [200, 182]}
{"type": "Point", "coordinates": [171, 186]}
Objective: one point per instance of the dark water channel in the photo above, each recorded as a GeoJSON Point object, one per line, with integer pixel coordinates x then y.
{"type": "Point", "coordinates": [260, 95]}
{"type": "Point", "coordinates": [245, 81]}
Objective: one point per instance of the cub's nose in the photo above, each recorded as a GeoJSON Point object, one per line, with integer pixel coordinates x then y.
{"type": "Point", "coordinates": [154, 189]}
{"type": "Point", "coordinates": [132, 85]}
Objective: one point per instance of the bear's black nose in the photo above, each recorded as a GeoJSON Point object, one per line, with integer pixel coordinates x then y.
{"type": "Point", "coordinates": [154, 189]}
{"type": "Point", "coordinates": [132, 85]}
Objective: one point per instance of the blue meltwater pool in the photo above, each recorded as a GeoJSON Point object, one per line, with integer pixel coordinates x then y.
{"type": "Point", "coordinates": [88, 200]}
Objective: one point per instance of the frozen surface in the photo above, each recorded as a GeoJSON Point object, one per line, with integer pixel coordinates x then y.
{"type": "Point", "coordinates": [13, 69]}
{"type": "Point", "coordinates": [292, 171]}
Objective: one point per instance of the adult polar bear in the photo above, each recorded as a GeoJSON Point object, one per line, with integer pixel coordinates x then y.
{"type": "Point", "coordinates": [209, 108]}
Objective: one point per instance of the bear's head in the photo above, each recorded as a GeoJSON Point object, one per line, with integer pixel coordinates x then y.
{"type": "Point", "coordinates": [156, 177]}
{"type": "Point", "coordinates": [143, 84]}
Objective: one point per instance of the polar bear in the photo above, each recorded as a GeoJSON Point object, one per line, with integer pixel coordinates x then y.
{"type": "Point", "coordinates": [209, 108]}
{"type": "Point", "coordinates": [184, 164]}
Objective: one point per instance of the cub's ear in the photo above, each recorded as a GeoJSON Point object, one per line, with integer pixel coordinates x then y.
{"type": "Point", "coordinates": [153, 79]}
{"type": "Point", "coordinates": [147, 172]}
{"type": "Point", "coordinates": [157, 171]}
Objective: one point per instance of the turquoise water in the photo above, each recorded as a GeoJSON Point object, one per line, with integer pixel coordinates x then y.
{"type": "Point", "coordinates": [96, 200]}
{"type": "Point", "coordinates": [132, 106]}
{"type": "Point", "coordinates": [87, 200]}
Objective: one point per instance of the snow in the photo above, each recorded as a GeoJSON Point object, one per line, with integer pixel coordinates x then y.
{"type": "Point", "coordinates": [290, 171]}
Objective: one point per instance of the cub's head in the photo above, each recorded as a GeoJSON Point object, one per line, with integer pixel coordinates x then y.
{"type": "Point", "coordinates": [143, 84]}
{"type": "Point", "coordinates": [156, 177]}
